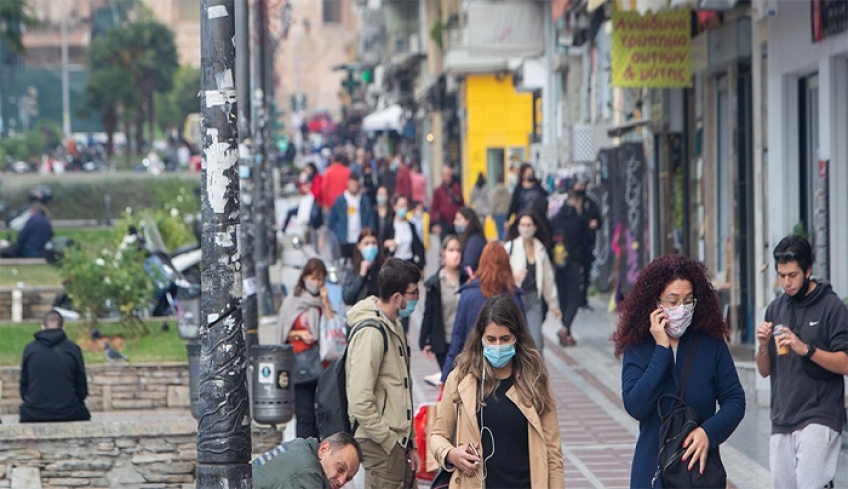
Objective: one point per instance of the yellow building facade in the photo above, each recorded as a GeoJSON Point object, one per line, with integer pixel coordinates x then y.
{"type": "Point", "coordinates": [497, 127]}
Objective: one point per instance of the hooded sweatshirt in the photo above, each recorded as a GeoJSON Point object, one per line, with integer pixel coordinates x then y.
{"type": "Point", "coordinates": [53, 384]}
{"type": "Point", "coordinates": [379, 381]}
{"type": "Point", "coordinates": [802, 392]}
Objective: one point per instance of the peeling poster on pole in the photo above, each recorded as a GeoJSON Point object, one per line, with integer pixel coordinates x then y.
{"type": "Point", "coordinates": [651, 50]}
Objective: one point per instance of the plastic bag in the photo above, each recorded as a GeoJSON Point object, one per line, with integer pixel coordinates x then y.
{"type": "Point", "coordinates": [333, 338]}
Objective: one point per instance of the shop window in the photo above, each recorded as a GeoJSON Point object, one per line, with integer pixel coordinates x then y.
{"type": "Point", "coordinates": [808, 149]}
{"type": "Point", "coordinates": [494, 165]}
{"type": "Point", "coordinates": [332, 11]}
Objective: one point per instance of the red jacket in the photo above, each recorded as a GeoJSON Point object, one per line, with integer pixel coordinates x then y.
{"type": "Point", "coordinates": [334, 184]}
{"type": "Point", "coordinates": [446, 201]}
{"type": "Point", "coordinates": [315, 188]}
{"type": "Point", "coordinates": [403, 183]}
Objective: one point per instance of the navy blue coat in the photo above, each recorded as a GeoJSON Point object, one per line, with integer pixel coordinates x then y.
{"type": "Point", "coordinates": [472, 252]}
{"type": "Point", "coordinates": [36, 233]}
{"type": "Point", "coordinates": [337, 220]}
{"type": "Point", "coordinates": [648, 371]}
{"type": "Point", "coordinates": [471, 302]}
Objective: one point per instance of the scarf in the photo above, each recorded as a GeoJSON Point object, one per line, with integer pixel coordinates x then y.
{"type": "Point", "coordinates": [292, 308]}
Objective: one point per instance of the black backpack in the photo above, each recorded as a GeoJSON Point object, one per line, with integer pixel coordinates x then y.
{"type": "Point", "coordinates": [676, 426]}
{"type": "Point", "coordinates": [331, 393]}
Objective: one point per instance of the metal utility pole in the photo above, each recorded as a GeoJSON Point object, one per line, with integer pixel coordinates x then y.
{"type": "Point", "coordinates": [549, 93]}
{"type": "Point", "coordinates": [66, 102]}
{"type": "Point", "coordinates": [223, 431]}
{"type": "Point", "coordinates": [249, 305]}
{"type": "Point", "coordinates": [265, 297]}
{"type": "Point", "coordinates": [270, 162]}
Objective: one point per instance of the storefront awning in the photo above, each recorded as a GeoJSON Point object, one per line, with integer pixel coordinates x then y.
{"type": "Point", "coordinates": [388, 119]}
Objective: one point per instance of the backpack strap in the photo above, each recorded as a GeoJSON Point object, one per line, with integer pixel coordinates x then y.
{"type": "Point", "coordinates": [687, 367]}
{"type": "Point", "coordinates": [370, 323]}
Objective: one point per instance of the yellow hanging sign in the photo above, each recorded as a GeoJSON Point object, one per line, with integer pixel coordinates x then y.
{"type": "Point", "coordinates": [651, 50]}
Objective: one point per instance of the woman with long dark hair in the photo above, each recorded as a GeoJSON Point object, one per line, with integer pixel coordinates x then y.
{"type": "Point", "coordinates": [494, 277]}
{"type": "Point", "coordinates": [384, 216]}
{"type": "Point", "coordinates": [361, 276]}
{"type": "Point", "coordinates": [533, 271]}
{"type": "Point", "coordinates": [671, 302]}
{"type": "Point", "coordinates": [471, 238]}
{"type": "Point", "coordinates": [298, 324]}
{"type": "Point", "coordinates": [497, 424]}
{"type": "Point", "coordinates": [442, 302]}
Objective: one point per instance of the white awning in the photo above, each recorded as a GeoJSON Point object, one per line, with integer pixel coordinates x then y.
{"type": "Point", "coordinates": [387, 119]}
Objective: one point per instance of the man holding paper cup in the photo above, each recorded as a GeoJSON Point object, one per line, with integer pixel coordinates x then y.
{"type": "Point", "coordinates": [803, 348]}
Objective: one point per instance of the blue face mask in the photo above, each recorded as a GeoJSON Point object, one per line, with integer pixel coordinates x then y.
{"type": "Point", "coordinates": [410, 307]}
{"type": "Point", "coordinates": [369, 253]}
{"type": "Point", "coordinates": [499, 355]}
{"type": "Point", "coordinates": [382, 199]}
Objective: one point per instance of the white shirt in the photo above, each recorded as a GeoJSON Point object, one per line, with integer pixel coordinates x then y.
{"type": "Point", "coordinates": [403, 239]}
{"type": "Point", "coordinates": [354, 217]}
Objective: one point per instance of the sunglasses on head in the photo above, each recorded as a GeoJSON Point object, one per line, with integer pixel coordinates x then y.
{"type": "Point", "coordinates": [784, 256]}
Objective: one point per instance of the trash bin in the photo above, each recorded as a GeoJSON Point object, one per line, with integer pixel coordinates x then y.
{"type": "Point", "coordinates": [272, 383]}
{"type": "Point", "coordinates": [193, 349]}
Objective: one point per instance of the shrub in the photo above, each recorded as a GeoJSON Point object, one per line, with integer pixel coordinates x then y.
{"type": "Point", "coordinates": [103, 278]}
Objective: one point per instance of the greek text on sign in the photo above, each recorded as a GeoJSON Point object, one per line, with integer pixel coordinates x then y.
{"type": "Point", "coordinates": [651, 50]}
{"type": "Point", "coordinates": [266, 373]}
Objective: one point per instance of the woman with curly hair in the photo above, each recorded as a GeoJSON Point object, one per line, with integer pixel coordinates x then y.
{"type": "Point", "coordinates": [493, 277]}
{"type": "Point", "coordinates": [671, 302]}
{"type": "Point", "coordinates": [497, 421]}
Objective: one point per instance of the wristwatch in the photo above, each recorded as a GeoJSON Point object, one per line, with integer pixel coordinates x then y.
{"type": "Point", "coordinates": [810, 350]}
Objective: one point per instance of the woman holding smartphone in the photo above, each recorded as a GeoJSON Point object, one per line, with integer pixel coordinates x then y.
{"type": "Point", "coordinates": [497, 424]}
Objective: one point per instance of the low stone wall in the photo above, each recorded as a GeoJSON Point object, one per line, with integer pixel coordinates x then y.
{"type": "Point", "coordinates": [36, 302]}
{"type": "Point", "coordinates": [137, 454]}
{"type": "Point", "coordinates": [116, 386]}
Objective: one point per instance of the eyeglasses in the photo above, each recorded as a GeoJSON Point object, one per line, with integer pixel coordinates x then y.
{"type": "Point", "coordinates": [689, 303]}
{"type": "Point", "coordinates": [785, 256]}
{"type": "Point", "coordinates": [413, 293]}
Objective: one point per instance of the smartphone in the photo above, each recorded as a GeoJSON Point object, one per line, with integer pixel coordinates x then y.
{"type": "Point", "coordinates": [474, 449]}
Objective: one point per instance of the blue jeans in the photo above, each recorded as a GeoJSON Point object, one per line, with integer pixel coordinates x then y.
{"type": "Point", "coordinates": [500, 220]}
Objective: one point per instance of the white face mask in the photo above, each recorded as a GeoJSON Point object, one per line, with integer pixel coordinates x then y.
{"type": "Point", "coordinates": [527, 232]}
{"type": "Point", "coordinates": [679, 319]}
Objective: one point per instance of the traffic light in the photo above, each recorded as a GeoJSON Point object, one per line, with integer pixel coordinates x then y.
{"type": "Point", "coordinates": [365, 76]}
{"type": "Point", "coordinates": [350, 83]}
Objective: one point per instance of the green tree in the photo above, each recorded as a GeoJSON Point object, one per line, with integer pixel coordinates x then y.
{"type": "Point", "coordinates": [15, 15]}
{"type": "Point", "coordinates": [108, 92]}
{"type": "Point", "coordinates": [145, 50]}
{"type": "Point", "coordinates": [173, 108]}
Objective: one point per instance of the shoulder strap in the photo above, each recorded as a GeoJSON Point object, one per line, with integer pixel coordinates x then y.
{"type": "Point", "coordinates": [62, 357]}
{"type": "Point", "coordinates": [690, 361]}
{"type": "Point", "coordinates": [370, 323]}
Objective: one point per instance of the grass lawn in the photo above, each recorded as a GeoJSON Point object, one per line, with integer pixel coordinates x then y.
{"type": "Point", "coordinates": [158, 346]}
{"type": "Point", "coordinates": [30, 275]}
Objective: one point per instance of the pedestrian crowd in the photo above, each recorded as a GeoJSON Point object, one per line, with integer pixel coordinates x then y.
{"type": "Point", "coordinates": [496, 422]}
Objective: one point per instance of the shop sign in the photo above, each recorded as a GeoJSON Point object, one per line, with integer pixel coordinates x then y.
{"type": "Point", "coordinates": [651, 50]}
{"type": "Point", "coordinates": [830, 17]}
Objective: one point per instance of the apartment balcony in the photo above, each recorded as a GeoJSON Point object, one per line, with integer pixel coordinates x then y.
{"type": "Point", "coordinates": [488, 33]}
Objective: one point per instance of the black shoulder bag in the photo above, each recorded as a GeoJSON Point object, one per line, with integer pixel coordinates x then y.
{"type": "Point", "coordinates": [676, 426]}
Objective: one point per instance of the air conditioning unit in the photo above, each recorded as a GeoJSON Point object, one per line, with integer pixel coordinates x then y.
{"type": "Point", "coordinates": [717, 4]}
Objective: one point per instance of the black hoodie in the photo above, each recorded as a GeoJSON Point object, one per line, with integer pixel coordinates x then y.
{"type": "Point", "coordinates": [53, 383]}
{"type": "Point", "coordinates": [802, 392]}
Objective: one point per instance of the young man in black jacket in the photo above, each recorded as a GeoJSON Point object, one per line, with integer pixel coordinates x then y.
{"type": "Point", "coordinates": [53, 383]}
{"type": "Point", "coordinates": [803, 348]}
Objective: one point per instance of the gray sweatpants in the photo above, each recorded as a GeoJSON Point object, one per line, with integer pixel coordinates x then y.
{"type": "Point", "coordinates": [804, 459]}
{"type": "Point", "coordinates": [535, 317]}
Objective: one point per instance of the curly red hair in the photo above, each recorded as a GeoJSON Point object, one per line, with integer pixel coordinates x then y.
{"type": "Point", "coordinates": [634, 322]}
{"type": "Point", "coordinates": [494, 272]}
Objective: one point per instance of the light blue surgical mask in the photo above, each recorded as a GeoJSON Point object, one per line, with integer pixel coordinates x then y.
{"type": "Point", "coordinates": [369, 253]}
{"type": "Point", "coordinates": [499, 355]}
{"type": "Point", "coordinates": [382, 199]}
{"type": "Point", "coordinates": [460, 228]}
{"type": "Point", "coordinates": [410, 307]}
{"type": "Point", "coordinates": [401, 213]}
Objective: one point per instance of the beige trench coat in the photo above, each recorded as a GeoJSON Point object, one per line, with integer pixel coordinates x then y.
{"type": "Point", "coordinates": [546, 468]}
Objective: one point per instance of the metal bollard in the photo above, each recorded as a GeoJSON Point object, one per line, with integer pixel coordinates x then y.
{"type": "Point", "coordinates": [193, 349]}
{"type": "Point", "coordinates": [17, 305]}
{"type": "Point", "coordinates": [272, 368]}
